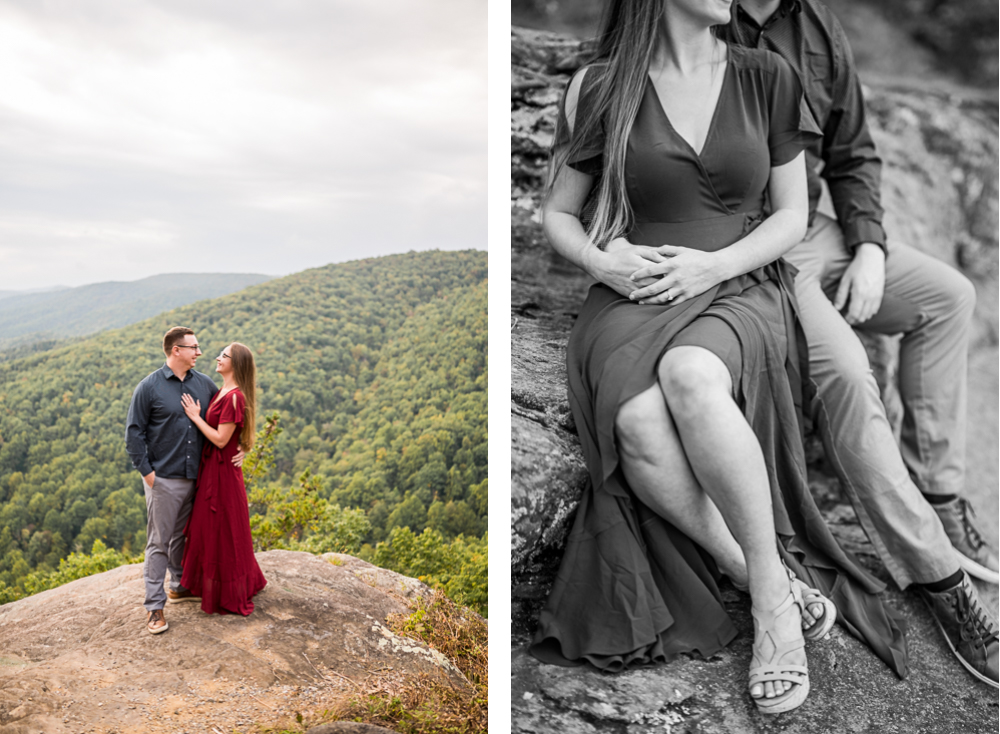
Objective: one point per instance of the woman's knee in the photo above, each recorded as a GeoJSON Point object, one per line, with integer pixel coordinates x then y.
{"type": "Point", "coordinates": [693, 377]}
{"type": "Point", "coordinates": [639, 418]}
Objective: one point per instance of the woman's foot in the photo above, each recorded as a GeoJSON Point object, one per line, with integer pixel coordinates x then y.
{"type": "Point", "coordinates": [818, 612]}
{"type": "Point", "coordinates": [779, 677]}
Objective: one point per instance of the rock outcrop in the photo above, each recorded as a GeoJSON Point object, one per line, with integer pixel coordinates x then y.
{"type": "Point", "coordinates": [940, 193]}
{"type": "Point", "coordinates": [78, 659]}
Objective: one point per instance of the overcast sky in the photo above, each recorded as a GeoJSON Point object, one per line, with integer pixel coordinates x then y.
{"type": "Point", "coordinates": [266, 136]}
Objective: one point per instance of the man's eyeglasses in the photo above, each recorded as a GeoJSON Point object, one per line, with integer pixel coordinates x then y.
{"type": "Point", "coordinates": [188, 346]}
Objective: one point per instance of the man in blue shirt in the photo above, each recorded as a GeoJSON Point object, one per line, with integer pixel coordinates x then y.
{"type": "Point", "coordinates": [165, 447]}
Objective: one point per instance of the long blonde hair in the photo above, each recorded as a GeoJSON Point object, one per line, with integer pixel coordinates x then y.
{"type": "Point", "coordinates": [625, 47]}
{"type": "Point", "coordinates": [245, 375]}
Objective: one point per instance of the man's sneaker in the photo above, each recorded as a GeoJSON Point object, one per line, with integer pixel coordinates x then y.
{"type": "Point", "coordinates": [974, 556]}
{"type": "Point", "coordinates": [155, 622]}
{"type": "Point", "coordinates": [969, 628]}
{"type": "Point", "coordinates": [183, 595]}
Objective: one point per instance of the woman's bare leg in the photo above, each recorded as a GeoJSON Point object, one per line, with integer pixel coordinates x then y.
{"type": "Point", "coordinates": [659, 474]}
{"type": "Point", "coordinates": [725, 458]}
{"type": "Point", "coordinates": [657, 470]}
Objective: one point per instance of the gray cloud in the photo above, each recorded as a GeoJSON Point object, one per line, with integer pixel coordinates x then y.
{"type": "Point", "coordinates": [165, 136]}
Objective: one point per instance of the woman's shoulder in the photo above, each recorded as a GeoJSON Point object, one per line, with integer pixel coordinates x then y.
{"type": "Point", "coordinates": [583, 80]}
{"type": "Point", "coordinates": [592, 69]}
{"type": "Point", "coordinates": [233, 395]}
{"type": "Point", "coordinates": [579, 90]}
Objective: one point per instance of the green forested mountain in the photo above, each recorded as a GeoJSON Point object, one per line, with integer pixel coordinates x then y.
{"type": "Point", "coordinates": [28, 318]}
{"type": "Point", "coordinates": [376, 367]}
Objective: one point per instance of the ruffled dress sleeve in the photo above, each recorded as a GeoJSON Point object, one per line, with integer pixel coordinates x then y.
{"type": "Point", "coordinates": [792, 127]}
{"type": "Point", "coordinates": [231, 409]}
{"type": "Point", "coordinates": [589, 158]}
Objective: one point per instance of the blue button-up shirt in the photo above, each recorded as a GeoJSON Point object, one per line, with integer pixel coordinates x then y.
{"type": "Point", "coordinates": [158, 434]}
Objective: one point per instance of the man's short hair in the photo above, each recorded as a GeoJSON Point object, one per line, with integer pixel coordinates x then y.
{"type": "Point", "coordinates": [173, 336]}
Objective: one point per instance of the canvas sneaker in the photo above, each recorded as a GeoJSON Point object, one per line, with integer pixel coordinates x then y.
{"type": "Point", "coordinates": [974, 555]}
{"type": "Point", "coordinates": [968, 627]}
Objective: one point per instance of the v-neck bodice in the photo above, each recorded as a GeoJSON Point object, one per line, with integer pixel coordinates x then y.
{"type": "Point", "coordinates": [760, 121]}
{"type": "Point", "coordinates": [711, 122]}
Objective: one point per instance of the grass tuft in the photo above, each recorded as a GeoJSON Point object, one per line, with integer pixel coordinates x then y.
{"type": "Point", "coordinates": [429, 704]}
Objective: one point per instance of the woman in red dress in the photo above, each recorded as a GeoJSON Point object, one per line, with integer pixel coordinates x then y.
{"type": "Point", "coordinates": [219, 564]}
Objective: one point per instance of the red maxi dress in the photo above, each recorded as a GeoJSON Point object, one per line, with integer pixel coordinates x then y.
{"type": "Point", "coordinates": [219, 564]}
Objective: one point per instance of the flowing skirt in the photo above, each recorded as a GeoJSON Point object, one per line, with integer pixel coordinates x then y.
{"type": "Point", "coordinates": [632, 588]}
{"type": "Point", "coordinates": [219, 563]}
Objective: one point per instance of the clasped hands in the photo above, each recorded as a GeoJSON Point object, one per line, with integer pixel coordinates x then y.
{"type": "Point", "coordinates": [658, 275]}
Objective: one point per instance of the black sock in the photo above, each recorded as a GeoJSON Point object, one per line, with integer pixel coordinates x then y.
{"type": "Point", "coordinates": [940, 499]}
{"type": "Point", "coordinates": [945, 583]}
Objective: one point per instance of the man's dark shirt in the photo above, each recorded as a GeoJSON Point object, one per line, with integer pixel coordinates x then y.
{"type": "Point", "coordinates": [158, 434]}
{"type": "Point", "coordinates": [810, 38]}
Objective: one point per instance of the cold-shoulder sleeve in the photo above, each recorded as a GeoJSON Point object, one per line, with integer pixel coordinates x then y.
{"type": "Point", "coordinates": [792, 127]}
{"type": "Point", "coordinates": [232, 408]}
{"type": "Point", "coordinates": [589, 158]}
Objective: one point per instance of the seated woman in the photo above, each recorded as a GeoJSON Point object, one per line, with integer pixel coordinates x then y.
{"type": "Point", "coordinates": [685, 362]}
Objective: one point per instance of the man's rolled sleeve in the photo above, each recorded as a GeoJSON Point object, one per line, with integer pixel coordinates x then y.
{"type": "Point", "coordinates": [135, 430]}
{"type": "Point", "coordinates": [853, 169]}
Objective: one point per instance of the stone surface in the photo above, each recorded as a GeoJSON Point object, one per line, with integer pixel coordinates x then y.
{"type": "Point", "coordinates": [940, 192]}
{"type": "Point", "coordinates": [78, 657]}
{"type": "Point", "coordinates": [348, 727]}
{"type": "Point", "coordinates": [852, 691]}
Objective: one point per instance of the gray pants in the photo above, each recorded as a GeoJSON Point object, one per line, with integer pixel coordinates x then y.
{"type": "Point", "coordinates": [931, 305]}
{"type": "Point", "coordinates": [168, 506]}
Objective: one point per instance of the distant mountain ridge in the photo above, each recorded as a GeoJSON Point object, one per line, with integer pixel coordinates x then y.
{"type": "Point", "coordinates": [29, 317]}
{"type": "Point", "coordinates": [51, 289]}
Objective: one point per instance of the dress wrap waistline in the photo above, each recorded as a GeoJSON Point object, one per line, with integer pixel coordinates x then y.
{"type": "Point", "coordinates": [708, 235]}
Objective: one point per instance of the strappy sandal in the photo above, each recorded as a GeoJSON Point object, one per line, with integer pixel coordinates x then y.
{"type": "Point", "coordinates": [824, 623]}
{"type": "Point", "coordinates": [822, 626]}
{"type": "Point", "coordinates": [773, 669]}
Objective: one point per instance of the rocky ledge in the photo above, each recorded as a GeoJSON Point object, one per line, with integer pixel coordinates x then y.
{"type": "Point", "coordinates": [940, 193]}
{"type": "Point", "coordinates": [78, 659]}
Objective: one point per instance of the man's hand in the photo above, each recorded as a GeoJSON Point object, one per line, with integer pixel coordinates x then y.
{"type": "Point", "coordinates": [149, 479]}
{"type": "Point", "coordinates": [614, 266]}
{"type": "Point", "coordinates": [238, 458]}
{"type": "Point", "coordinates": [683, 273]}
{"type": "Point", "coordinates": [862, 285]}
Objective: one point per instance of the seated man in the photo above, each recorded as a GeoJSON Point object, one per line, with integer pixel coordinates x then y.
{"type": "Point", "coordinates": [911, 506]}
